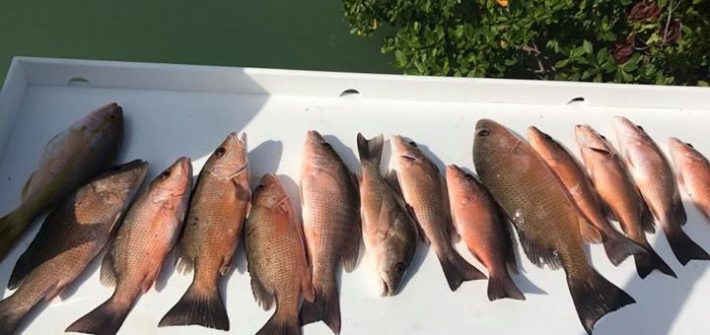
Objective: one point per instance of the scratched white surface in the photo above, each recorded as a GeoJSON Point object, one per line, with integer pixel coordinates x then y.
{"type": "Point", "coordinates": [164, 124]}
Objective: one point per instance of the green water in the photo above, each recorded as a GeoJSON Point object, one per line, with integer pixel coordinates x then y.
{"type": "Point", "coordinates": [296, 34]}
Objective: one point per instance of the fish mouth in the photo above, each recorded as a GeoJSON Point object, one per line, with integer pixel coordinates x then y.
{"type": "Point", "coordinates": [386, 289]}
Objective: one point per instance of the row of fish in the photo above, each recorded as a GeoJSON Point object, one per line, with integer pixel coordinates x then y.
{"type": "Point", "coordinates": [554, 202]}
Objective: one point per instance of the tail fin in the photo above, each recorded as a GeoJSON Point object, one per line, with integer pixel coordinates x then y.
{"type": "Point", "coordinates": [103, 320]}
{"type": "Point", "coordinates": [502, 286]}
{"type": "Point", "coordinates": [278, 325]}
{"type": "Point", "coordinates": [326, 307]}
{"type": "Point", "coordinates": [594, 297]}
{"type": "Point", "coordinates": [649, 261]}
{"type": "Point", "coordinates": [12, 226]}
{"type": "Point", "coordinates": [11, 314]}
{"type": "Point", "coordinates": [684, 248]}
{"type": "Point", "coordinates": [457, 270]}
{"type": "Point", "coordinates": [198, 307]}
{"type": "Point", "coordinates": [618, 247]}
{"type": "Point", "coordinates": [370, 150]}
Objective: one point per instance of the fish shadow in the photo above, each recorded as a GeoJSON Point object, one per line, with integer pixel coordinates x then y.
{"type": "Point", "coordinates": [415, 265]}
{"type": "Point", "coordinates": [264, 158]}
{"type": "Point", "coordinates": [660, 299]}
{"type": "Point", "coordinates": [167, 270]}
{"type": "Point", "coordinates": [346, 153]}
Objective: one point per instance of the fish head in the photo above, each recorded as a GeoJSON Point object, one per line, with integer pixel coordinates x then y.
{"type": "Point", "coordinates": [317, 151]}
{"type": "Point", "coordinates": [545, 145]}
{"type": "Point", "coordinates": [108, 118]}
{"type": "Point", "coordinates": [391, 269]}
{"type": "Point", "coordinates": [457, 179]}
{"type": "Point", "coordinates": [492, 144]}
{"type": "Point", "coordinates": [270, 192]}
{"type": "Point", "coordinates": [630, 133]}
{"type": "Point", "coordinates": [590, 141]}
{"type": "Point", "coordinates": [407, 153]}
{"type": "Point", "coordinates": [173, 182]}
{"type": "Point", "coordinates": [230, 158]}
{"type": "Point", "coordinates": [128, 176]}
{"type": "Point", "coordinates": [682, 151]}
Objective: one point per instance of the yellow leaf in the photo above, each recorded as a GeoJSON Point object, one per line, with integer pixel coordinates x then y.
{"type": "Point", "coordinates": [502, 3]}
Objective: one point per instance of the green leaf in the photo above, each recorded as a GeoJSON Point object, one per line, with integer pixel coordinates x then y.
{"type": "Point", "coordinates": [587, 46]}
{"type": "Point", "coordinates": [703, 83]}
{"type": "Point", "coordinates": [562, 63]}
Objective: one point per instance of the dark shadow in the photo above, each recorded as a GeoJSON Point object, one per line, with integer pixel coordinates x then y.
{"type": "Point", "coordinates": [264, 158]}
{"type": "Point", "coordinates": [416, 264]}
{"type": "Point", "coordinates": [166, 271]}
{"type": "Point", "coordinates": [294, 194]}
{"type": "Point", "coordinates": [346, 153]}
{"type": "Point", "coordinates": [660, 298]}
{"type": "Point", "coordinates": [525, 285]}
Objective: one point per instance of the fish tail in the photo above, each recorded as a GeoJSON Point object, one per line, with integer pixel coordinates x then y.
{"type": "Point", "coordinates": [500, 286]}
{"type": "Point", "coordinates": [594, 297]}
{"type": "Point", "coordinates": [326, 307]}
{"type": "Point", "coordinates": [281, 325]}
{"type": "Point", "coordinates": [457, 270]}
{"type": "Point", "coordinates": [11, 227]}
{"type": "Point", "coordinates": [648, 261]}
{"type": "Point", "coordinates": [12, 312]}
{"type": "Point", "coordinates": [684, 248]}
{"type": "Point", "coordinates": [618, 247]}
{"type": "Point", "coordinates": [103, 320]}
{"type": "Point", "coordinates": [198, 307]}
{"type": "Point", "coordinates": [370, 150]}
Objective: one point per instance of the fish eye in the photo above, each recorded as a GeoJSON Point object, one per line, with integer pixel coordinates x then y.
{"type": "Point", "coordinates": [400, 268]}
{"type": "Point", "coordinates": [690, 145]}
{"type": "Point", "coordinates": [220, 152]}
{"type": "Point", "coordinates": [164, 175]}
{"type": "Point", "coordinates": [484, 132]}
{"type": "Point", "coordinates": [603, 138]}
{"type": "Point", "coordinates": [547, 137]}
{"type": "Point", "coordinates": [259, 188]}
{"type": "Point", "coordinates": [639, 127]}
{"type": "Point", "coordinates": [412, 143]}
{"type": "Point", "coordinates": [327, 145]}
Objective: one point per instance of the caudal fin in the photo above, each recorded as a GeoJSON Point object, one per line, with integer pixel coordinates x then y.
{"type": "Point", "coordinates": [325, 308]}
{"type": "Point", "coordinates": [104, 320]}
{"type": "Point", "coordinates": [684, 248]}
{"type": "Point", "coordinates": [502, 286]}
{"type": "Point", "coordinates": [618, 247]}
{"type": "Point", "coordinates": [280, 325]}
{"type": "Point", "coordinates": [649, 261]}
{"type": "Point", "coordinates": [594, 297]}
{"type": "Point", "coordinates": [457, 270]}
{"type": "Point", "coordinates": [11, 227]}
{"type": "Point", "coordinates": [370, 150]}
{"type": "Point", "coordinates": [11, 314]}
{"type": "Point", "coordinates": [198, 307]}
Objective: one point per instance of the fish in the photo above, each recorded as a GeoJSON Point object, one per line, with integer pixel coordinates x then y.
{"type": "Point", "coordinates": [544, 216]}
{"type": "Point", "coordinates": [213, 228]}
{"type": "Point", "coordinates": [617, 246]}
{"type": "Point", "coordinates": [146, 236]}
{"type": "Point", "coordinates": [69, 238]}
{"type": "Point", "coordinates": [656, 182]}
{"type": "Point", "coordinates": [617, 191]}
{"type": "Point", "coordinates": [479, 222]}
{"type": "Point", "coordinates": [424, 189]}
{"type": "Point", "coordinates": [330, 204]}
{"type": "Point", "coordinates": [276, 257]}
{"type": "Point", "coordinates": [70, 159]}
{"type": "Point", "coordinates": [389, 229]}
{"type": "Point", "coordinates": [693, 173]}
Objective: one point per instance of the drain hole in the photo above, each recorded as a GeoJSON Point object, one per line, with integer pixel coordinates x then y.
{"type": "Point", "coordinates": [576, 100]}
{"type": "Point", "coordinates": [78, 81]}
{"type": "Point", "coordinates": [350, 92]}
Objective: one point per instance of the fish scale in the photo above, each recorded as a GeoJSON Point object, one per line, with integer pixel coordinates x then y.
{"type": "Point", "coordinates": [68, 240]}
{"type": "Point", "coordinates": [135, 258]}
{"type": "Point", "coordinates": [543, 214]}
{"type": "Point", "coordinates": [213, 229]}
{"type": "Point", "coordinates": [276, 257]}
